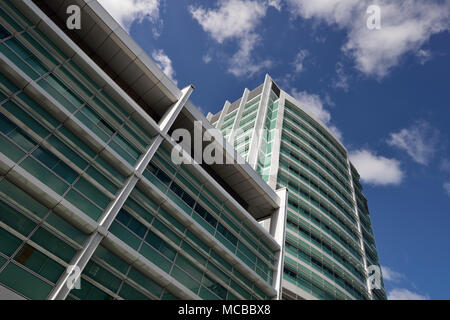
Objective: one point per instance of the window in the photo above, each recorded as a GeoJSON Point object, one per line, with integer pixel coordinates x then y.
{"type": "Point", "coordinates": [3, 32]}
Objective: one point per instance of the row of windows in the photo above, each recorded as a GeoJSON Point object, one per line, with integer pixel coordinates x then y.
{"type": "Point", "coordinates": [210, 223]}
{"type": "Point", "coordinates": [333, 272]}
{"type": "Point", "coordinates": [311, 283]}
{"type": "Point", "coordinates": [165, 252]}
{"type": "Point", "coordinates": [232, 114]}
{"type": "Point", "coordinates": [34, 117]}
{"type": "Point", "coordinates": [86, 188]}
{"type": "Point", "coordinates": [55, 56]}
{"type": "Point", "coordinates": [248, 118]}
{"type": "Point", "coordinates": [75, 103]}
{"type": "Point", "coordinates": [305, 194]}
{"type": "Point", "coordinates": [33, 271]}
{"type": "Point", "coordinates": [107, 277]}
{"type": "Point", "coordinates": [32, 259]}
{"type": "Point", "coordinates": [166, 257]}
{"type": "Point", "coordinates": [146, 210]}
{"type": "Point", "coordinates": [25, 226]}
{"type": "Point", "coordinates": [317, 128]}
{"type": "Point", "coordinates": [190, 183]}
{"type": "Point", "coordinates": [301, 281]}
{"type": "Point", "coordinates": [335, 252]}
{"type": "Point", "coordinates": [299, 209]}
{"type": "Point", "coordinates": [298, 175]}
{"type": "Point", "coordinates": [298, 148]}
{"type": "Point", "coordinates": [297, 136]}
{"type": "Point", "coordinates": [299, 124]}
{"type": "Point", "coordinates": [51, 243]}
{"type": "Point", "coordinates": [228, 124]}
{"type": "Point", "coordinates": [329, 182]}
{"type": "Point", "coordinates": [90, 117]}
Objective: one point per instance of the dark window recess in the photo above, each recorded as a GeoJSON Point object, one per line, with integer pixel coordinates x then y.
{"type": "Point", "coordinates": [4, 33]}
{"type": "Point", "coordinates": [276, 90]}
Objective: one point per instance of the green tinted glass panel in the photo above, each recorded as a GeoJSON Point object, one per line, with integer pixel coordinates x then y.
{"type": "Point", "coordinates": [125, 235]}
{"type": "Point", "coordinates": [111, 259]}
{"type": "Point", "coordinates": [39, 263]}
{"type": "Point", "coordinates": [24, 282]}
{"type": "Point", "coordinates": [22, 198]}
{"type": "Point", "coordinates": [8, 242]}
{"type": "Point", "coordinates": [53, 244]}
{"type": "Point", "coordinates": [155, 257]}
{"type": "Point", "coordinates": [90, 292]}
{"type": "Point", "coordinates": [16, 220]}
{"type": "Point", "coordinates": [145, 282]}
{"type": "Point", "coordinates": [66, 228]}
{"type": "Point", "coordinates": [87, 207]}
{"type": "Point", "coordinates": [2, 261]}
{"type": "Point", "coordinates": [102, 276]}
{"type": "Point", "coordinates": [129, 293]}
{"type": "Point", "coordinates": [92, 192]}
{"type": "Point", "coordinates": [187, 281]}
{"type": "Point", "coordinates": [43, 174]}
{"type": "Point", "coordinates": [207, 295]}
{"type": "Point", "coordinates": [10, 149]}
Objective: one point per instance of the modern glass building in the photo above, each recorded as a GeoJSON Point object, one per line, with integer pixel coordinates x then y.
{"type": "Point", "coordinates": [87, 185]}
{"type": "Point", "coordinates": [329, 242]}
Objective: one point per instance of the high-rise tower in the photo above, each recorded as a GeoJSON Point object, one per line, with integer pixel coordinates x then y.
{"type": "Point", "coordinates": [87, 181]}
{"type": "Point", "coordinates": [330, 250]}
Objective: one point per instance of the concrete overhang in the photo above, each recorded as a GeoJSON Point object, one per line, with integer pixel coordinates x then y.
{"type": "Point", "coordinates": [235, 175]}
{"type": "Point", "coordinates": [119, 56]}
{"type": "Point", "coordinates": [113, 49]}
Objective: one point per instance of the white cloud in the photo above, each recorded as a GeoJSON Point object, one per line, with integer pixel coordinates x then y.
{"type": "Point", "coordinates": [241, 63]}
{"type": "Point", "coordinates": [336, 132]}
{"type": "Point", "coordinates": [314, 105]}
{"type": "Point", "coordinates": [236, 20]}
{"type": "Point", "coordinates": [275, 3]}
{"type": "Point", "coordinates": [376, 170]}
{"type": "Point", "coordinates": [405, 26]}
{"type": "Point", "coordinates": [447, 187]}
{"type": "Point", "coordinates": [128, 11]}
{"type": "Point", "coordinates": [391, 275]}
{"type": "Point", "coordinates": [405, 294]}
{"type": "Point", "coordinates": [423, 56]}
{"type": "Point", "coordinates": [400, 293]}
{"type": "Point", "coordinates": [207, 58]}
{"type": "Point", "coordinates": [299, 60]}
{"type": "Point", "coordinates": [164, 62]}
{"type": "Point", "coordinates": [419, 141]}
{"type": "Point", "coordinates": [232, 19]}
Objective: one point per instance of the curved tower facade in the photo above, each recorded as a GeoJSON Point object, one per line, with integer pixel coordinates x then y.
{"type": "Point", "coordinates": [330, 250]}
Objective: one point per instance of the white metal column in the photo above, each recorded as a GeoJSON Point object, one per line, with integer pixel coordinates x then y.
{"type": "Point", "coordinates": [82, 257]}
{"type": "Point", "coordinates": [255, 141]}
{"type": "Point", "coordinates": [237, 119]}
{"type": "Point", "coordinates": [361, 241]}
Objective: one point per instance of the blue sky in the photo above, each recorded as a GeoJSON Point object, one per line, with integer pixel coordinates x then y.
{"type": "Point", "coordinates": [385, 92]}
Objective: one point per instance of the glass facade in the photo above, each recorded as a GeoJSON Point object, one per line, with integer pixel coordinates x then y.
{"type": "Point", "coordinates": [329, 240]}
{"type": "Point", "coordinates": [66, 161]}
